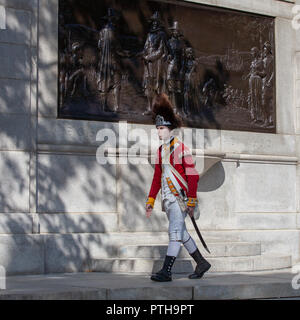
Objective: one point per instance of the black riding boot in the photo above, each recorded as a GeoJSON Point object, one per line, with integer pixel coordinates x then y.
{"type": "Point", "coordinates": [165, 273]}
{"type": "Point", "coordinates": [202, 265]}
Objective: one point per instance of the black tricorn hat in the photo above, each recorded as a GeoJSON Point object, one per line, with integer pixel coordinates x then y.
{"type": "Point", "coordinates": [268, 46]}
{"type": "Point", "coordinates": [111, 14]}
{"type": "Point", "coordinates": [155, 16]}
{"type": "Point", "coordinates": [163, 113]}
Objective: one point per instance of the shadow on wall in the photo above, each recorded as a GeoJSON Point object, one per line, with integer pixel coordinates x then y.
{"type": "Point", "coordinates": [62, 180]}
{"type": "Point", "coordinates": [212, 179]}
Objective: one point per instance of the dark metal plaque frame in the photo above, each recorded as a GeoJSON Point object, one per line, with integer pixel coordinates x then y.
{"type": "Point", "coordinates": [216, 65]}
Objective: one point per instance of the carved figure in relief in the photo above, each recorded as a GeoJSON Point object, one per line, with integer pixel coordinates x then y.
{"type": "Point", "coordinates": [255, 85]}
{"type": "Point", "coordinates": [209, 92]}
{"type": "Point", "coordinates": [64, 59]}
{"type": "Point", "coordinates": [77, 76]}
{"type": "Point", "coordinates": [110, 52]}
{"type": "Point", "coordinates": [190, 81]}
{"type": "Point", "coordinates": [267, 84]}
{"type": "Point", "coordinates": [176, 49]}
{"type": "Point", "coordinates": [63, 77]}
{"type": "Point", "coordinates": [155, 50]}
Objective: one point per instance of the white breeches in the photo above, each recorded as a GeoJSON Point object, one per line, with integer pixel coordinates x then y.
{"type": "Point", "coordinates": [177, 227]}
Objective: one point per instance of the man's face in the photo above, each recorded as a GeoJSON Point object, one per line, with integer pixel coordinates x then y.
{"type": "Point", "coordinates": [154, 25]}
{"type": "Point", "coordinates": [175, 33]}
{"type": "Point", "coordinates": [254, 53]}
{"type": "Point", "coordinates": [189, 54]}
{"type": "Point", "coordinates": [164, 133]}
{"type": "Point", "coordinates": [267, 51]}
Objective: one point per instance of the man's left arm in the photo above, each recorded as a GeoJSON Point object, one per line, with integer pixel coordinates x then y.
{"type": "Point", "coordinates": [192, 177]}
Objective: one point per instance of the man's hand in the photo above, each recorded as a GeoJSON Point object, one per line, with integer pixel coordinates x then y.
{"type": "Point", "coordinates": [148, 210]}
{"type": "Point", "coordinates": [190, 211]}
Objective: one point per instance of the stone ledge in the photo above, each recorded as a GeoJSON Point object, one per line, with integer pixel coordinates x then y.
{"type": "Point", "coordinates": [102, 286]}
{"type": "Point", "coordinates": [261, 158]}
{"type": "Point", "coordinates": [66, 149]}
{"type": "Point", "coordinates": [45, 253]}
{"type": "Point", "coordinates": [212, 156]}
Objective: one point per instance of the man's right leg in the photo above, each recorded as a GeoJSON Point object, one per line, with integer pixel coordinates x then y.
{"type": "Point", "coordinates": [165, 273]}
{"type": "Point", "coordinates": [176, 222]}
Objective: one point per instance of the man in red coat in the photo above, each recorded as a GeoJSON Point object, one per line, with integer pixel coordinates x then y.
{"type": "Point", "coordinates": [176, 176]}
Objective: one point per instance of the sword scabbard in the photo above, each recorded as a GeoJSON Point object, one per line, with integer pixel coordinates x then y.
{"type": "Point", "coordinates": [199, 234]}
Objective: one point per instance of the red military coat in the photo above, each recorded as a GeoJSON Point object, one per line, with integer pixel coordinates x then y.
{"type": "Point", "coordinates": [181, 159]}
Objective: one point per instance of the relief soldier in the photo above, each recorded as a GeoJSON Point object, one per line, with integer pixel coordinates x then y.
{"type": "Point", "coordinates": [267, 84]}
{"type": "Point", "coordinates": [176, 49]}
{"type": "Point", "coordinates": [190, 81]}
{"type": "Point", "coordinates": [109, 67]}
{"type": "Point", "coordinates": [209, 92]}
{"type": "Point", "coordinates": [78, 76]}
{"type": "Point", "coordinates": [255, 85]}
{"type": "Point", "coordinates": [154, 53]}
{"type": "Point", "coordinates": [63, 77]}
{"type": "Point", "coordinates": [64, 59]}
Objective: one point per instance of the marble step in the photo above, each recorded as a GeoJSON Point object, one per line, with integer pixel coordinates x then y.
{"type": "Point", "coordinates": [183, 265]}
{"type": "Point", "coordinates": [217, 249]}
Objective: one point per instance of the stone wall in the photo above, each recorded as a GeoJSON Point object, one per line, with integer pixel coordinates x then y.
{"type": "Point", "coordinates": [58, 206]}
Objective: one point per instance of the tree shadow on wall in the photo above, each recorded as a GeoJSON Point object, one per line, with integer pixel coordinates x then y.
{"type": "Point", "coordinates": [59, 205]}
{"type": "Point", "coordinates": [45, 225]}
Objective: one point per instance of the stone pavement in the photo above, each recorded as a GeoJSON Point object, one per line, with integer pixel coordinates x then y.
{"type": "Point", "coordinates": [110, 286]}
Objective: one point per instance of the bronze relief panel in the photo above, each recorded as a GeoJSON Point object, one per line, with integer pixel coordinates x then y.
{"type": "Point", "coordinates": [217, 66]}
